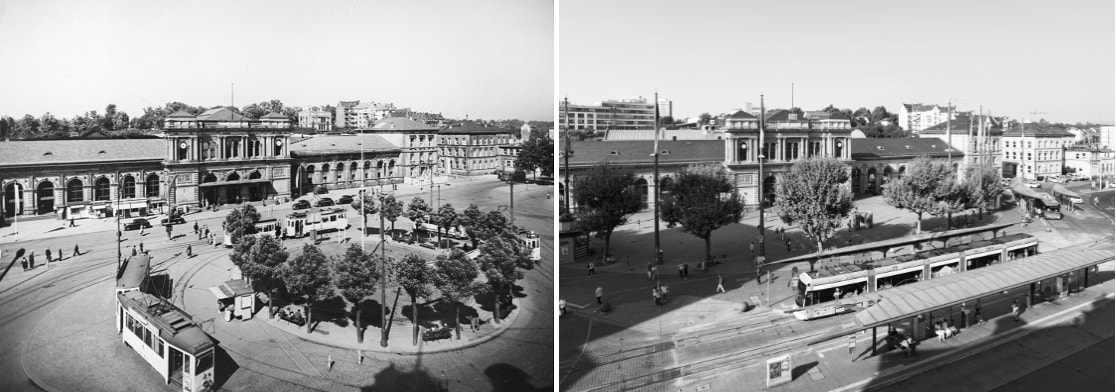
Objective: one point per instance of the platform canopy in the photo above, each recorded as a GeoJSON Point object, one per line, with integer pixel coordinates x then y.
{"type": "Point", "coordinates": [894, 242]}
{"type": "Point", "coordinates": [910, 300]}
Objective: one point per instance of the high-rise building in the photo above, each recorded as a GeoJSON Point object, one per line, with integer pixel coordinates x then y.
{"type": "Point", "coordinates": [631, 113]}
{"type": "Point", "coordinates": [916, 117]}
{"type": "Point", "coordinates": [355, 114]}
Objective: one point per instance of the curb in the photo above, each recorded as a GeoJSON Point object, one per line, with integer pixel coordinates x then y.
{"type": "Point", "coordinates": [378, 349]}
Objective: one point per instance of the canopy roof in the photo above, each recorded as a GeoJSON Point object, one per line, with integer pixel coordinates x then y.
{"type": "Point", "coordinates": [929, 295]}
{"type": "Point", "coordinates": [886, 244]}
{"type": "Point", "coordinates": [1058, 188]}
{"type": "Point", "coordinates": [136, 269]}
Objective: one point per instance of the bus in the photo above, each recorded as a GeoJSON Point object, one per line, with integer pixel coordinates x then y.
{"type": "Point", "coordinates": [300, 223]}
{"type": "Point", "coordinates": [1047, 209]}
{"type": "Point", "coordinates": [162, 334]}
{"type": "Point", "coordinates": [835, 282]}
{"type": "Point", "coordinates": [267, 227]}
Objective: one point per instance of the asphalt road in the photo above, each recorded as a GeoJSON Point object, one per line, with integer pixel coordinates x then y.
{"type": "Point", "coordinates": [1087, 370]}
{"type": "Point", "coordinates": [520, 359]}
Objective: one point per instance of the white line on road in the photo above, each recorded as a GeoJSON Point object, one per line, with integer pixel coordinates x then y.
{"type": "Point", "coordinates": [576, 305]}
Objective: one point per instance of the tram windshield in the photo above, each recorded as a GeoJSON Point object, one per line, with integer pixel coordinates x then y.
{"type": "Point", "coordinates": [205, 361]}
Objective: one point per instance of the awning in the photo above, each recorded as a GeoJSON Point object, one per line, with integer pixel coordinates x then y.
{"type": "Point", "coordinates": [237, 182]}
{"type": "Point", "coordinates": [220, 294]}
{"type": "Point", "coordinates": [1059, 189]}
{"type": "Point", "coordinates": [910, 300]}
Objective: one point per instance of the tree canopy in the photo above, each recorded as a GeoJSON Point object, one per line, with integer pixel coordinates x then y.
{"type": "Point", "coordinates": [415, 277]}
{"type": "Point", "coordinates": [928, 187]}
{"type": "Point", "coordinates": [814, 195]}
{"type": "Point", "coordinates": [702, 200]}
{"type": "Point", "coordinates": [307, 276]}
{"type": "Point", "coordinates": [355, 275]}
{"type": "Point", "coordinates": [537, 153]}
{"type": "Point", "coordinates": [605, 195]}
{"type": "Point", "coordinates": [503, 262]}
{"type": "Point", "coordinates": [455, 277]}
{"type": "Point", "coordinates": [391, 210]}
{"type": "Point", "coordinates": [241, 221]}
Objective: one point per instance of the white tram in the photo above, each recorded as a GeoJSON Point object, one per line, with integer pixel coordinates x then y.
{"type": "Point", "coordinates": [161, 333]}
{"type": "Point", "coordinates": [267, 227]}
{"type": "Point", "coordinates": [839, 281]}
{"type": "Point", "coordinates": [533, 243]}
{"type": "Point", "coordinates": [301, 223]}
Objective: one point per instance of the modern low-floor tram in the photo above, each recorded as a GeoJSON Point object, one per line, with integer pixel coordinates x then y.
{"type": "Point", "coordinates": [834, 282]}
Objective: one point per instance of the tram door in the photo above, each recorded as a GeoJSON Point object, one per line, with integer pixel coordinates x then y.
{"type": "Point", "coordinates": [177, 359]}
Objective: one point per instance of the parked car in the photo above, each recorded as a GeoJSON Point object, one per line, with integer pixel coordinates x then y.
{"type": "Point", "coordinates": [137, 223]}
{"type": "Point", "coordinates": [1056, 179]}
{"type": "Point", "coordinates": [1034, 184]}
{"type": "Point", "coordinates": [324, 202]}
{"type": "Point", "coordinates": [321, 190]}
{"type": "Point", "coordinates": [346, 199]}
{"type": "Point", "coordinates": [301, 205]}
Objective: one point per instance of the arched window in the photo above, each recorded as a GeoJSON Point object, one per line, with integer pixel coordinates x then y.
{"type": "Point", "coordinates": [367, 169]}
{"type": "Point", "coordinates": [340, 170]}
{"type": "Point", "coordinates": [353, 171]}
{"type": "Point", "coordinates": [232, 177]}
{"type": "Point", "coordinates": [255, 175]}
{"type": "Point", "coordinates": [152, 186]}
{"type": "Point", "coordinates": [74, 191]}
{"type": "Point", "coordinates": [742, 150]}
{"type": "Point", "coordinates": [129, 187]}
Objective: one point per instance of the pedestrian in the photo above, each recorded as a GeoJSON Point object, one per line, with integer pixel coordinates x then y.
{"type": "Point", "coordinates": [475, 323]}
{"type": "Point", "coordinates": [663, 291]}
{"type": "Point", "coordinates": [649, 264]}
{"type": "Point", "coordinates": [964, 316]}
{"type": "Point", "coordinates": [1014, 307]}
{"type": "Point", "coordinates": [72, 223]}
{"type": "Point", "coordinates": [680, 273]}
{"type": "Point", "coordinates": [788, 245]}
{"type": "Point", "coordinates": [759, 272]}
{"type": "Point", "coordinates": [207, 230]}
{"type": "Point", "coordinates": [189, 251]}
{"type": "Point", "coordinates": [852, 347]}
{"type": "Point", "coordinates": [142, 230]}
{"type": "Point", "coordinates": [592, 270]}
{"type": "Point", "coordinates": [654, 272]}
{"type": "Point", "coordinates": [794, 275]}
{"type": "Point", "coordinates": [59, 254]}
{"type": "Point", "coordinates": [23, 262]}
{"type": "Point", "coordinates": [49, 259]}
{"type": "Point", "coordinates": [752, 247]}
{"type": "Point", "coordinates": [76, 251]}
{"type": "Point", "coordinates": [720, 284]}
{"type": "Point", "coordinates": [600, 293]}
{"type": "Point", "coordinates": [655, 293]}
{"type": "Point", "coordinates": [685, 270]}
{"type": "Point", "coordinates": [141, 248]}
{"type": "Point", "coordinates": [119, 236]}
{"type": "Point", "coordinates": [195, 227]}
{"type": "Point", "coordinates": [837, 293]}
{"type": "Point", "coordinates": [133, 250]}
{"type": "Point", "coordinates": [561, 307]}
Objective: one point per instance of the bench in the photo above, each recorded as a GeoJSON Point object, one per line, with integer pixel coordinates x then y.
{"type": "Point", "coordinates": [437, 334]}
{"type": "Point", "coordinates": [292, 318]}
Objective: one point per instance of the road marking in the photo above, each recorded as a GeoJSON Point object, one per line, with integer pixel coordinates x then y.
{"type": "Point", "coordinates": [576, 305]}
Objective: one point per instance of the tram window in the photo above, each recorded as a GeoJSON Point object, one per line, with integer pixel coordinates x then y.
{"type": "Point", "coordinates": [186, 366]}
{"type": "Point", "coordinates": [159, 347]}
{"type": "Point", "coordinates": [147, 338]}
{"type": "Point", "coordinates": [129, 322]}
{"type": "Point", "coordinates": [204, 362]}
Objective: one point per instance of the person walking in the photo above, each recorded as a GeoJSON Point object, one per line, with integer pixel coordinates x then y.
{"type": "Point", "coordinates": [681, 274]}
{"type": "Point", "coordinates": [195, 227]}
{"type": "Point", "coordinates": [655, 293]}
{"type": "Point", "coordinates": [685, 270]}
{"type": "Point", "coordinates": [49, 259]}
{"type": "Point", "coordinates": [133, 250]}
{"type": "Point", "coordinates": [649, 264]}
{"type": "Point", "coordinates": [189, 251]}
{"type": "Point", "coordinates": [794, 275]}
{"type": "Point", "coordinates": [72, 223]}
{"type": "Point", "coordinates": [720, 284]}
{"type": "Point", "coordinates": [759, 272]}
{"type": "Point", "coordinates": [474, 324]}
{"type": "Point", "coordinates": [1014, 308]}
{"type": "Point", "coordinates": [788, 245]}
{"type": "Point", "coordinates": [592, 270]}
{"type": "Point", "coordinates": [752, 248]}
{"type": "Point", "coordinates": [141, 248]}
{"type": "Point", "coordinates": [31, 260]}
{"type": "Point", "coordinates": [77, 252]}
{"type": "Point", "coordinates": [654, 272]}
{"type": "Point", "coordinates": [23, 262]}
{"type": "Point", "coordinates": [143, 230]}
{"type": "Point", "coordinates": [59, 254]}
{"type": "Point", "coordinates": [599, 293]}
{"type": "Point", "coordinates": [206, 230]}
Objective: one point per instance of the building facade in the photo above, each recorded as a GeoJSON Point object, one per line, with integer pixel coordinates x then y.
{"type": "Point", "coordinates": [316, 119]}
{"type": "Point", "coordinates": [878, 160]}
{"type": "Point", "coordinates": [470, 150]}
{"type": "Point", "coordinates": [916, 117]}
{"type": "Point", "coordinates": [357, 114]}
{"type": "Point", "coordinates": [1033, 150]}
{"type": "Point", "coordinates": [418, 146]}
{"type": "Point", "coordinates": [1090, 162]}
{"type": "Point", "coordinates": [220, 157]}
{"type": "Point", "coordinates": [787, 139]}
{"type": "Point", "coordinates": [631, 113]}
{"type": "Point", "coordinates": [344, 161]}
{"type": "Point", "coordinates": [1106, 133]}
{"type": "Point", "coordinates": [981, 147]}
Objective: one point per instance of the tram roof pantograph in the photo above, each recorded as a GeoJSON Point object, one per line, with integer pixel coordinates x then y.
{"type": "Point", "coordinates": [925, 296]}
{"type": "Point", "coordinates": [134, 272]}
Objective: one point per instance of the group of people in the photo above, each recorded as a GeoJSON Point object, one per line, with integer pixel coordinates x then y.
{"type": "Point", "coordinates": [945, 329]}
{"type": "Point", "coordinates": [28, 261]}
{"type": "Point", "coordinates": [898, 340]}
{"type": "Point", "coordinates": [660, 293]}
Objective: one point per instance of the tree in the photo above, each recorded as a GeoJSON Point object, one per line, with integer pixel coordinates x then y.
{"type": "Point", "coordinates": [355, 276]}
{"type": "Point", "coordinates": [307, 277]}
{"type": "Point", "coordinates": [455, 277]}
{"type": "Point", "coordinates": [415, 277]}
{"type": "Point", "coordinates": [984, 186]}
{"type": "Point", "coordinates": [537, 154]}
{"type": "Point", "coordinates": [605, 197]}
{"type": "Point", "coordinates": [503, 261]}
{"type": "Point", "coordinates": [418, 211]}
{"type": "Point", "coordinates": [704, 118]}
{"type": "Point", "coordinates": [471, 219]}
{"type": "Point", "coordinates": [253, 111]}
{"type": "Point", "coordinates": [702, 200]}
{"type": "Point", "coordinates": [814, 195]}
{"type": "Point", "coordinates": [365, 203]}
{"type": "Point", "coordinates": [391, 210]}
{"type": "Point", "coordinates": [261, 261]}
{"type": "Point", "coordinates": [446, 218]}
{"type": "Point", "coordinates": [27, 127]}
{"type": "Point", "coordinates": [798, 112]}
{"type": "Point", "coordinates": [926, 187]}
{"type": "Point", "coordinates": [241, 221]}
{"type": "Point", "coordinates": [108, 122]}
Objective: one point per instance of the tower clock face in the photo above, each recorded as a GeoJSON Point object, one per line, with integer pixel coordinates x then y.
{"type": "Point", "coordinates": [182, 145]}
{"type": "Point", "coordinates": [278, 142]}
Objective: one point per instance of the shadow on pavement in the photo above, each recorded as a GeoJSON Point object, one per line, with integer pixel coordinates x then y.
{"type": "Point", "coordinates": [508, 378]}
{"type": "Point", "coordinates": [801, 370]}
{"type": "Point", "coordinates": [392, 379]}
{"type": "Point", "coordinates": [225, 367]}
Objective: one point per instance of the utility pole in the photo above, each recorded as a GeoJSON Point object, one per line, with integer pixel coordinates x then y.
{"type": "Point", "coordinates": [762, 197]}
{"type": "Point", "coordinates": [658, 249]}
{"type": "Point", "coordinates": [949, 131]}
{"type": "Point", "coordinates": [567, 153]}
{"type": "Point", "coordinates": [511, 199]}
{"type": "Point", "coordinates": [383, 276]}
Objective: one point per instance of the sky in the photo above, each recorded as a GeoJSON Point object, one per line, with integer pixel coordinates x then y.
{"type": "Point", "coordinates": [1056, 58]}
{"type": "Point", "coordinates": [490, 59]}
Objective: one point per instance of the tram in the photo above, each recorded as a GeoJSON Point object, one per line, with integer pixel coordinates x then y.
{"type": "Point", "coordinates": [161, 333]}
{"type": "Point", "coordinates": [267, 227]}
{"type": "Point", "coordinates": [533, 244]}
{"type": "Point", "coordinates": [835, 282]}
{"type": "Point", "coordinates": [301, 223]}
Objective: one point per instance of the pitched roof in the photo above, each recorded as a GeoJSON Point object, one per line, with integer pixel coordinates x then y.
{"type": "Point", "coordinates": [220, 114]}
{"type": "Point", "coordinates": [962, 122]}
{"type": "Point", "coordinates": [274, 115]}
{"type": "Point", "coordinates": [889, 148]}
{"type": "Point", "coordinates": [472, 128]}
{"type": "Point", "coordinates": [181, 114]}
{"type": "Point", "coordinates": [639, 151]}
{"type": "Point", "coordinates": [1036, 129]}
{"type": "Point", "coordinates": [333, 144]}
{"type": "Point", "coordinates": [84, 150]}
{"type": "Point", "coordinates": [741, 114]}
{"type": "Point", "coordinates": [400, 124]}
{"type": "Point", "coordinates": [668, 134]}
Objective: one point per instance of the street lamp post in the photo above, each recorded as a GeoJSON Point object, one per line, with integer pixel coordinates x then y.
{"type": "Point", "coordinates": [762, 196]}
{"type": "Point", "coordinates": [658, 249]}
